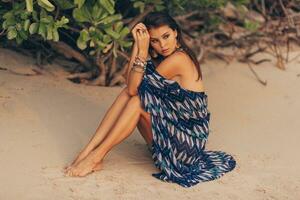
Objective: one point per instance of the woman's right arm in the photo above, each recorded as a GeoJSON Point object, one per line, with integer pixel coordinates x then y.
{"type": "Point", "coordinates": [134, 53]}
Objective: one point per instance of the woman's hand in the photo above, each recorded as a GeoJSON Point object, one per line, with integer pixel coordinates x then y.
{"type": "Point", "coordinates": [142, 39]}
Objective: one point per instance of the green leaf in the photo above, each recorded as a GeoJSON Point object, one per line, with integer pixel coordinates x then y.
{"type": "Point", "coordinates": [24, 15]}
{"type": "Point", "coordinates": [12, 33]}
{"type": "Point", "coordinates": [118, 26]}
{"type": "Point", "coordinates": [108, 5]}
{"type": "Point", "coordinates": [33, 28]}
{"type": "Point", "coordinates": [125, 44]}
{"type": "Point", "coordinates": [49, 33]}
{"type": "Point", "coordinates": [46, 20]}
{"type": "Point", "coordinates": [81, 14]}
{"type": "Point", "coordinates": [29, 5]}
{"type": "Point", "coordinates": [159, 7]}
{"type": "Point", "coordinates": [92, 29]}
{"type": "Point", "coordinates": [35, 16]}
{"type": "Point", "coordinates": [8, 15]}
{"type": "Point", "coordinates": [55, 35]}
{"type": "Point", "coordinates": [110, 19]}
{"type": "Point", "coordinates": [97, 12]}
{"type": "Point", "coordinates": [92, 43]}
{"type": "Point", "coordinates": [83, 39]}
{"type": "Point", "coordinates": [107, 39]}
{"type": "Point", "coordinates": [46, 4]}
{"type": "Point", "coordinates": [43, 13]}
{"type": "Point", "coordinates": [101, 44]}
{"type": "Point", "coordinates": [112, 33]}
{"type": "Point", "coordinates": [93, 52]}
{"type": "Point", "coordinates": [19, 39]}
{"type": "Point", "coordinates": [62, 21]}
{"type": "Point", "coordinates": [140, 5]}
{"type": "Point", "coordinates": [79, 3]}
{"type": "Point", "coordinates": [8, 22]}
{"type": "Point", "coordinates": [81, 44]}
{"type": "Point", "coordinates": [26, 24]}
{"type": "Point", "coordinates": [23, 34]}
{"type": "Point", "coordinates": [124, 32]}
{"type": "Point", "coordinates": [84, 35]}
{"type": "Point", "coordinates": [251, 25]}
{"type": "Point", "coordinates": [42, 30]}
{"type": "Point", "coordinates": [64, 4]}
{"type": "Point", "coordinates": [18, 26]}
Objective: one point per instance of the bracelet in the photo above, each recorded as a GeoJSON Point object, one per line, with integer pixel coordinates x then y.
{"type": "Point", "coordinates": [139, 64]}
{"type": "Point", "coordinates": [140, 67]}
{"type": "Point", "coordinates": [139, 61]}
{"type": "Point", "coordinates": [139, 58]}
{"type": "Point", "coordinates": [135, 69]}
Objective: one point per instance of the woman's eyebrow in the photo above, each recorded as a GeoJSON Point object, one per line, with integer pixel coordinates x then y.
{"type": "Point", "coordinates": [162, 35]}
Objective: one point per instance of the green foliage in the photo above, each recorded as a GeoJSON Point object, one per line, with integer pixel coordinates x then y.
{"type": "Point", "coordinates": [100, 26]}
{"type": "Point", "coordinates": [98, 23]}
{"type": "Point", "coordinates": [105, 26]}
{"type": "Point", "coordinates": [251, 25]}
{"type": "Point", "coordinates": [16, 22]}
{"type": "Point", "coordinates": [46, 5]}
{"type": "Point", "coordinates": [201, 5]}
{"type": "Point", "coordinates": [141, 4]}
{"type": "Point", "coordinates": [64, 5]}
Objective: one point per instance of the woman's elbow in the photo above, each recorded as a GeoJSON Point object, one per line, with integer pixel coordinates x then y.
{"type": "Point", "coordinates": [132, 91]}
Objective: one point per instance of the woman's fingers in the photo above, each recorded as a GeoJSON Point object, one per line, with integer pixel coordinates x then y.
{"type": "Point", "coordinates": [142, 32]}
{"type": "Point", "coordinates": [139, 26]}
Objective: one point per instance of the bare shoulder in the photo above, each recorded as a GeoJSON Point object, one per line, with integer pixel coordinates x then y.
{"type": "Point", "coordinates": [174, 64]}
{"type": "Point", "coordinates": [178, 58]}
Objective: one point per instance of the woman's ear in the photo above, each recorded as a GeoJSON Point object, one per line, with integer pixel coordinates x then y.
{"type": "Point", "coordinates": [175, 32]}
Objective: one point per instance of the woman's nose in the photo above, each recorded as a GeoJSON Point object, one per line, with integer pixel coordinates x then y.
{"type": "Point", "coordinates": [162, 44]}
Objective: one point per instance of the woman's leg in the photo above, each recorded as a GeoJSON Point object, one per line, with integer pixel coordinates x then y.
{"type": "Point", "coordinates": [124, 126]}
{"type": "Point", "coordinates": [106, 124]}
{"type": "Point", "coordinates": [144, 127]}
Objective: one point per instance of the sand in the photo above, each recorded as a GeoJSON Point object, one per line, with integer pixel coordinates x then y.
{"type": "Point", "coordinates": [45, 120]}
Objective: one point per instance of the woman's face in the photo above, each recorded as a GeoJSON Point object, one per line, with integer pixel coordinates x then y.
{"type": "Point", "coordinates": [163, 40]}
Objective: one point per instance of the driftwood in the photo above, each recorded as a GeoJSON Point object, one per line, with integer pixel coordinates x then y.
{"type": "Point", "coordinates": [36, 72]}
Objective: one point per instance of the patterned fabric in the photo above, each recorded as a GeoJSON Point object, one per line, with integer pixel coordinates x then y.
{"type": "Point", "coordinates": [180, 128]}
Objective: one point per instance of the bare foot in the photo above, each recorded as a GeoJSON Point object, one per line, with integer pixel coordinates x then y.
{"type": "Point", "coordinates": [83, 154]}
{"type": "Point", "coordinates": [98, 167]}
{"type": "Point", "coordinates": [84, 167]}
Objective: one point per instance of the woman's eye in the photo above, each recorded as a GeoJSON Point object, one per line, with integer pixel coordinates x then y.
{"type": "Point", "coordinates": [153, 41]}
{"type": "Point", "coordinates": [166, 36]}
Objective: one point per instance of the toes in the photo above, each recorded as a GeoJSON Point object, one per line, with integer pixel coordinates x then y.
{"type": "Point", "coordinates": [67, 166]}
{"type": "Point", "coordinates": [68, 169]}
{"type": "Point", "coordinates": [70, 172]}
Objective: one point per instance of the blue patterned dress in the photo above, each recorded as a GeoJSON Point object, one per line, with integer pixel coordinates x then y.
{"type": "Point", "coordinates": [180, 128]}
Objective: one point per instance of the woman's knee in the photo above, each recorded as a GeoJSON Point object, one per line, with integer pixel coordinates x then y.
{"type": "Point", "coordinates": [125, 93]}
{"type": "Point", "coordinates": [135, 102]}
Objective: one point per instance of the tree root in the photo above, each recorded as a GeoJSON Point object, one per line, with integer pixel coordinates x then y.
{"type": "Point", "coordinates": [264, 83]}
{"type": "Point", "coordinates": [36, 72]}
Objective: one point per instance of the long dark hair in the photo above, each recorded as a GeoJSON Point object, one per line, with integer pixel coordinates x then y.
{"type": "Point", "coordinates": [157, 19]}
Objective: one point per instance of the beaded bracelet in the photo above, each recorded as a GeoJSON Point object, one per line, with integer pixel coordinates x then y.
{"type": "Point", "coordinates": [139, 63]}
{"type": "Point", "coordinates": [143, 68]}
{"type": "Point", "coordinates": [135, 69]}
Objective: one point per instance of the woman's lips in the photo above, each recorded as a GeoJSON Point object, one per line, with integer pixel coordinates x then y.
{"type": "Point", "coordinates": [165, 50]}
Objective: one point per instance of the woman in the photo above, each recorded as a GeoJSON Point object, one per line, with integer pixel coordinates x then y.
{"type": "Point", "coordinates": [165, 99]}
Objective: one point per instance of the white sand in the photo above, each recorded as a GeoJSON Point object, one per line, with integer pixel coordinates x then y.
{"type": "Point", "coordinates": [45, 120]}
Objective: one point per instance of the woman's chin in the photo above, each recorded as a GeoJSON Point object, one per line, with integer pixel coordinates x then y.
{"type": "Point", "coordinates": [165, 54]}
